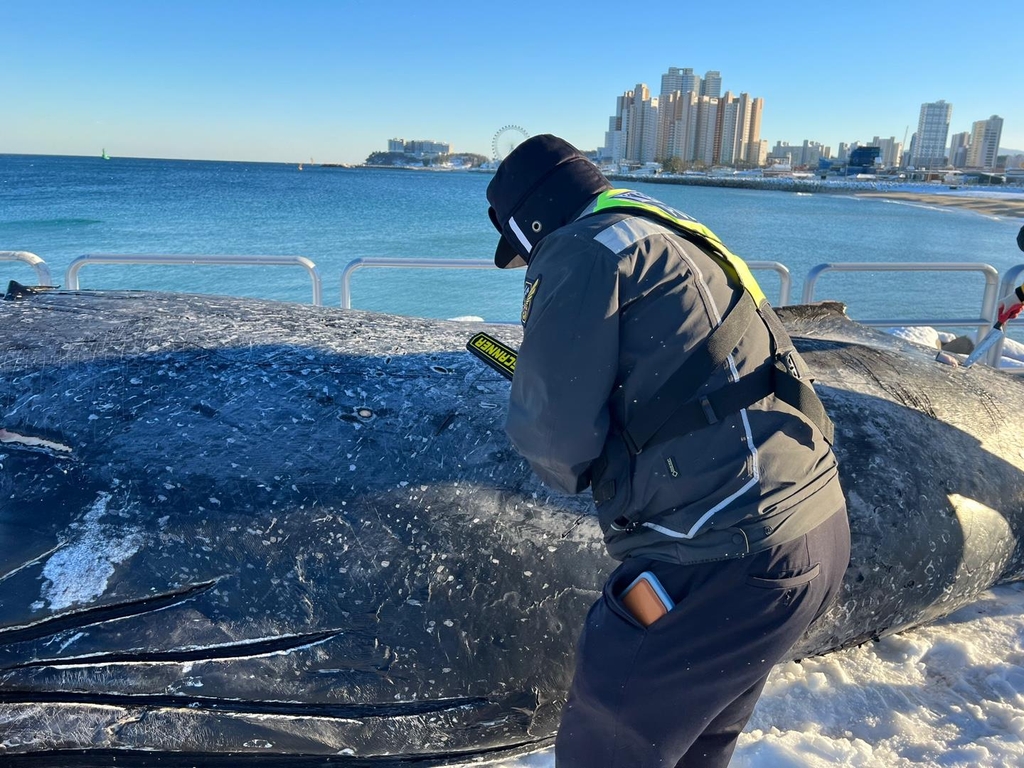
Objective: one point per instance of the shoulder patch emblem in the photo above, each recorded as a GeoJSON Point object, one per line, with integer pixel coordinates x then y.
{"type": "Point", "coordinates": [529, 291]}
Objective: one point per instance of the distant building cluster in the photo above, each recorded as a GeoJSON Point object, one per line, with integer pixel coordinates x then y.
{"type": "Point", "coordinates": [691, 124]}
{"type": "Point", "coordinates": [975, 150]}
{"type": "Point", "coordinates": [421, 153]}
{"type": "Point", "coordinates": [690, 121]}
{"type": "Point", "coordinates": [419, 148]}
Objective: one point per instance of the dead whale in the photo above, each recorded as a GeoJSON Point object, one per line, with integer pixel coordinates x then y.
{"type": "Point", "coordinates": [233, 528]}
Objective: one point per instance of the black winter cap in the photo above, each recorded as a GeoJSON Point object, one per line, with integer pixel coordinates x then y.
{"type": "Point", "coordinates": [540, 187]}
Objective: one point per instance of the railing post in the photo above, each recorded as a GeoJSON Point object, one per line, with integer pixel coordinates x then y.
{"type": "Point", "coordinates": [71, 274]}
{"type": "Point", "coordinates": [393, 263]}
{"type": "Point", "coordinates": [43, 276]}
{"type": "Point", "coordinates": [988, 303]}
{"type": "Point", "coordinates": [785, 280]}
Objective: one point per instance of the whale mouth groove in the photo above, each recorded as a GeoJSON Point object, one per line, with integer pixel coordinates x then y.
{"type": "Point", "coordinates": [472, 712]}
{"type": "Point", "coordinates": [239, 706]}
{"type": "Point", "coordinates": [89, 616]}
{"type": "Point", "coordinates": [101, 758]}
{"type": "Point", "coordinates": [245, 649]}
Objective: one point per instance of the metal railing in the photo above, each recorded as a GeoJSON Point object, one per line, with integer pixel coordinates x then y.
{"type": "Point", "coordinates": [988, 301]}
{"type": "Point", "coordinates": [71, 275]}
{"type": "Point", "coordinates": [43, 276]}
{"type": "Point", "coordinates": [994, 287]}
{"type": "Point", "coordinates": [785, 281]}
{"type": "Point", "coordinates": [393, 263]}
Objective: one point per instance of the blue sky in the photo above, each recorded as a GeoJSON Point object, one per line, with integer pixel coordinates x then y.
{"type": "Point", "coordinates": [334, 81]}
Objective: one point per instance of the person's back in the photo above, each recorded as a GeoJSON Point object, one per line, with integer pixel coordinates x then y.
{"type": "Point", "coordinates": [692, 492]}
{"type": "Point", "coordinates": [652, 370]}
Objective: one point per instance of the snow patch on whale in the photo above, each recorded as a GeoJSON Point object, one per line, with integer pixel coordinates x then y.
{"type": "Point", "coordinates": [79, 572]}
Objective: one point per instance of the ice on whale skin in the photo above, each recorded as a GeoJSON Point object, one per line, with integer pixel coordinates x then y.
{"type": "Point", "coordinates": [231, 526]}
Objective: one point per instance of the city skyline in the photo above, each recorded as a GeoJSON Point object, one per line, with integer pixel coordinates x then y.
{"type": "Point", "coordinates": [691, 123]}
{"type": "Point", "coordinates": [690, 120]}
{"type": "Point", "coordinates": [333, 82]}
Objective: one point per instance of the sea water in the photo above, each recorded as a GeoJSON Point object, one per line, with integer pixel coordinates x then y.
{"type": "Point", "coordinates": [63, 207]}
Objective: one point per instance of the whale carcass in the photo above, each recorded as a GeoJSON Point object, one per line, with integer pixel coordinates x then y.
{"type": "Point", "coordinates": [233, 528]}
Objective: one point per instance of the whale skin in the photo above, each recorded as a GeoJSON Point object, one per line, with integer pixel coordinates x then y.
{"type": "Point", "coordinates": [233, 528]}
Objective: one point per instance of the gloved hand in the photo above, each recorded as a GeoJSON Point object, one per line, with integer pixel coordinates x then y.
{"type": "Point", "coordinates": [1009, 310]}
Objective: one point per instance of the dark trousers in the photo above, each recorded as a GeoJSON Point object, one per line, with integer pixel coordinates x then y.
{"type": "Point", "coordinates": [679, 692]}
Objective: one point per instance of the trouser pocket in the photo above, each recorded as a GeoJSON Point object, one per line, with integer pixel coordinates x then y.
{"type": "Point", "coordinates": [790, 581]}
{"type": "Point", "coordinates": [605, 658]}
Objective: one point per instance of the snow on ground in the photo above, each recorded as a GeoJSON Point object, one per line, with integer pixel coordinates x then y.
{"type": "Point", "coordinates": [1012, 355]}
{"type": "Point", "coordinates": [922, 335]}
{"type": "Point", "coordinates": [1013, 350]}
{"type": "Point", "coordinates": [949, 694]}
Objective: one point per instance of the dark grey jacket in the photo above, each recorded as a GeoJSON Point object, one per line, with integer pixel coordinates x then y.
{"type": "Point", "coordinates": [613, 304]}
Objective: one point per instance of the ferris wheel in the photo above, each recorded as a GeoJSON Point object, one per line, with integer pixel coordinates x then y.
{"type": "Point", "coordinates": [506, 139]}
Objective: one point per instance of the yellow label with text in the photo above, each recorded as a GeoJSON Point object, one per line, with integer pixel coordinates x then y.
{"type": "Point", "coordinates": [499, 356]}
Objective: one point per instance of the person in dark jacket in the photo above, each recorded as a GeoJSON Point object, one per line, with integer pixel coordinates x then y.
{"type": "Point", "coordinates": [653, 371]}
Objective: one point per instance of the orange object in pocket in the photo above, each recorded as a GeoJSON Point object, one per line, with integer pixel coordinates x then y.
{"type": "Point", "coordinates": [646, 599]}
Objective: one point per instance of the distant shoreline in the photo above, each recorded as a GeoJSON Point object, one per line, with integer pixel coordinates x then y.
{"type": "Point", "coordinates": [990, 201]}
{"type": "Point", "coordinates": [990, 206]}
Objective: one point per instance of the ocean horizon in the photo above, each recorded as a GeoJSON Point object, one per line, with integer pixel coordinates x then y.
{"type": "Point", "coordinates": [946, 694]}
{"type": "Point", "coordinates": [61, 207]}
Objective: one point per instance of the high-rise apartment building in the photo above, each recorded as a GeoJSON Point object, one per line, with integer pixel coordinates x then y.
{"type": "Point", "coordinates": [712, 85]}
{"type": "Point", "coordinates": [639, 121]}
{"type": "Point", "coordinates": [984, 148]}
{"type": "Point", "coordinates": [615, 137]}
{"type": "Point", "coordinates": [681, 123]}
{"type": "Point", "coordinates": [807, 154]}
{"type": "Point", "coordinates": [675, 81]}
{"type": "Point", "coordinates": [890, 151]}
{"type": "Point", "coordinates": [958, 149]}
{"type": "Point", "coordinates": [707, 122]}
{"type": "Point", "coordinates": [730, 129]}
{"type": "Point", "coordinates": [738, 133]}
{"type": "Point", "coordinates": [678, 112]}
{"type": "Point", "coordinates": [756, 151]}
{"type": "Point", "coordinates": [929, 149]}
{"type": "Point", "coordinates": [815, 151]}
{"type": "Point", "coordinates": [681, 80]}
{"type": "Point", "coordinates": [785, 153]}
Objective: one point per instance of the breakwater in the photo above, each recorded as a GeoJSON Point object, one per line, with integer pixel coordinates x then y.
{"type": "Point", "coordinates": [992, 201]}
{"type": "Point", "coordinates": [815, 184]}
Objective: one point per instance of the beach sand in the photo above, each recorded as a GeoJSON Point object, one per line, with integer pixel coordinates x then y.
{"type": "Point", "coordinates": [992, 206]}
